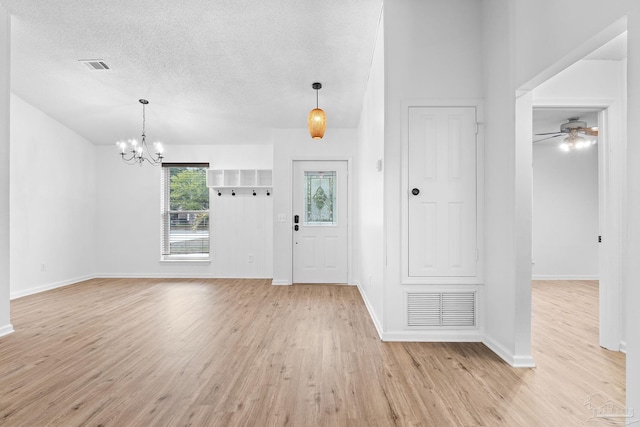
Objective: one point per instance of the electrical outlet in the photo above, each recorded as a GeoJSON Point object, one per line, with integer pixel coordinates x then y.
{"type": "Point", "coordinates": [282, 217]}
{"type": "Point", "coordinates": [42, 267]}
{"type": "Point", "coordinates": [250, 257]}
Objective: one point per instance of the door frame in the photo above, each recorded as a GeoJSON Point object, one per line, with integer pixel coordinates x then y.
{"type": "Point", "coordinates": [610, 210]}
{"type": "Point", "coordinates": [350, 175]}
{"type": "Point", "coordinates": [478, 104]}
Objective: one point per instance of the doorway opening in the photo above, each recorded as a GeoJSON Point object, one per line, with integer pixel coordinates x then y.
{"type": "Point", "coordinates": [577, 227]}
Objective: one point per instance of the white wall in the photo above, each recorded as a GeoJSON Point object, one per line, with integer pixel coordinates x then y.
{"type": "Point", "coordinates": [432, 52]}
{"type": "Point", "coordinates": [582, 82]}
{"type": "Point", "coordinates": [542, 54]}
{"type": "Point", "coordinates": [369, 238]}
{"type": "Point", "coordinates": [296, 144]}
{"type": "Point", "coordinates": [128, 216]}
{"type": "Point", "coordinates": [632, 253]}
{"type": "Point", "coordinates": [520, 56]}
{"type": "Point", "coordinates": [53, 199]}
{"type": "Point", "coordinates": [5, 73]}
{"type": "Point", "coordinates": [565, 213]}
{"type": "Point", "coordinates": [506, 334]}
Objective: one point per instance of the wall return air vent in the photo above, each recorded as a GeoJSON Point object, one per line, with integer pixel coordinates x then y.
{"type": "Point", "coordinates": [441, 310]}
{"type": "Point", "coordinates": [95, 64]}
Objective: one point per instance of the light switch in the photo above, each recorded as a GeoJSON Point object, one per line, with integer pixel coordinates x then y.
{"type": "Point", "coordinates": [282, 217]}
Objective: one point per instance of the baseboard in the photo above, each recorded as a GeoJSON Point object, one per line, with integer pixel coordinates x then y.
{"type": "Point", "coordinates": [158, 276]}
{"type": "Point", "coordinates": [6, 330]}
{"type": "Point", "coordinates": [281, 282]}
{"type": "Point", "coordinates": [568, 277]}
{"type": "Point", "coordinates": [62, 283]}
{"type": "Point", "coordinates": [512, 359]}
{"type": "Point", "coordinates": [50, 286]}
{"type": "Point", "coordinates": [623, 347]}
{"type": "Point", "coordinates": [376, 322]}
{"type": "Point", "coordinates": [171, 276]}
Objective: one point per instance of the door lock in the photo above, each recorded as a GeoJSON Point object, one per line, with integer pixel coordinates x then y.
{"type": "Point", "coordinates": [296, 227]}
{"type": "Point", "coordinates": [415, 191]}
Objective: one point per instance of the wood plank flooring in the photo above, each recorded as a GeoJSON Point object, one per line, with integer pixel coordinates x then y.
{"type": "Point", "coordinates": [123, 352]}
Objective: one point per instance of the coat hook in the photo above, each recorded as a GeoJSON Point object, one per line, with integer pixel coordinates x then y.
{"type": "Point", "coordinates": [219, 193]}
{"type": "Point", "coordinates": [254, 192]}
{"type": "Point", "coordinates": [233, 192]}
{"type": "Point", "coordinates": [268, 194]}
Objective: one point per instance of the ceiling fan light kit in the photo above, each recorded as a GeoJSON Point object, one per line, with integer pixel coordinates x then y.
{"type": "Point", "coordinates": [579, 135]}
{"type": "Point", "coordinates": [317, 120]}
{"type": "Point", "coordinates": [133, 153]}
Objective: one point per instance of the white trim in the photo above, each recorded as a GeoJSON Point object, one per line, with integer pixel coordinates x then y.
{"type": "Point", "coordinates": [171, 276]}
{"type": "Point", "coordinates": [376, 322]}
{"type": "Point", "coordinates": [433, 336]}
{"type": "Point", "coordinates": [623, 347]}
{"type": "Point", "coordinates": [6, 330]}
{"type": "Point", "coordinates": [611, 198]}
{"type": "Point", "coordinates": [478, 104]}
{"type": "Point", "coordinates": [50, 286]}
{"type": "Point", "coordinates": [567, 277]}
{"type": "Point", "coordinates": [512, 359]}
{"type": "Point", "coordinates": [281, 283]}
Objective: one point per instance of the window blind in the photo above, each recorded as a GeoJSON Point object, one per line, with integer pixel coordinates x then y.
{"type": "Point", "coordinates": [185, 210]}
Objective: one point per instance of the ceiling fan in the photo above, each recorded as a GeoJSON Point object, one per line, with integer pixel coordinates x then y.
{"type": "Point", "coordinates": [578, 134]}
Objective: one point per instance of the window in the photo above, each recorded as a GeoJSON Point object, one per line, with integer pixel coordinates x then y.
{"type": "Point", "coordinates": [320, 198]}
{"type": "Point", "coordinates": [185, 211]}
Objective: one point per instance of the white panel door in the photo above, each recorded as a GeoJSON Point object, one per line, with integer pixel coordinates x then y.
{"type": "Point", "coordinates": [320, 239]}
{"type": "Point", "coordinates": [442, 192]}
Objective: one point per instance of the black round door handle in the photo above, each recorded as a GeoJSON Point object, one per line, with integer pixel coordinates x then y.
{"type": "Point", "coordinates": [415, 191]}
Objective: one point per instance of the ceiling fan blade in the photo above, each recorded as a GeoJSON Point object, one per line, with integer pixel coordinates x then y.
{"type": "Point", "coordinates": [551, 133]}
{"type": "Point", "coordinates": [591, 132]}
{"type": "Point", "coordinates": [549, 137]}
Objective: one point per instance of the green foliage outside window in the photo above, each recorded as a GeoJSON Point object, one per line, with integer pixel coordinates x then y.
{"type": "Point", "coordinates": [188, 189]}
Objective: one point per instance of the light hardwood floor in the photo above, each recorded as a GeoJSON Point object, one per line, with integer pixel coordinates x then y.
{"type": "Point", "coordinates": [124, 352]}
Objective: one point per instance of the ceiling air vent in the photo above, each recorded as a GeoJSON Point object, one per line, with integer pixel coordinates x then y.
{"type": "Point", "coordinates": [95, 64]}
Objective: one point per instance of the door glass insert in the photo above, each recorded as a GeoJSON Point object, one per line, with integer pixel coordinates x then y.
{"type": "Point", "coordinates": [320, 198]}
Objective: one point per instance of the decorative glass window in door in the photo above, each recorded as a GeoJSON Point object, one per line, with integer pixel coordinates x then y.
{"type": "Point", "coordinates": [320, 198]}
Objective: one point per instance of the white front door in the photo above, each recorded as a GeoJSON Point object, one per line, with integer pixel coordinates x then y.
{"type": "Point", "coordinates": [442, 192]}
{"type": "Point", "coordinates": [320, 239]}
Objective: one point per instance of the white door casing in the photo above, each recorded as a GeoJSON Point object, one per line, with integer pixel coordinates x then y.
{"type": "Point", "coordinates": [442, 216]}
{"type": "Point", "coordinates": [320, 203]}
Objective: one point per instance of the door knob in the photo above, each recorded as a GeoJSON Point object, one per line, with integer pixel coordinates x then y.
{"type": "Point", "coordinates": [296, 227]}
{"type": "Point", "coordinates": [415, 191]}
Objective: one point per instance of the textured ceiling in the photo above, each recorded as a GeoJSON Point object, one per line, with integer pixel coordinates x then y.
{"type": "Point", "coordinates": [214, 71]}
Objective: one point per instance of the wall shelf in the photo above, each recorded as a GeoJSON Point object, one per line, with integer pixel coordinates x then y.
{"type": "Point", "coordinates": [239, 178]}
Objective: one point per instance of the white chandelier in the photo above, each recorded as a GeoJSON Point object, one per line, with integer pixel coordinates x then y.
{"type": "Point", "coordinates": [133, 152]}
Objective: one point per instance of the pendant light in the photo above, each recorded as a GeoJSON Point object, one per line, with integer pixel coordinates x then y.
{"type": "Point", "coordinates": [317, 119]}
{"type": "Point", "coordinates": [134, 153]}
